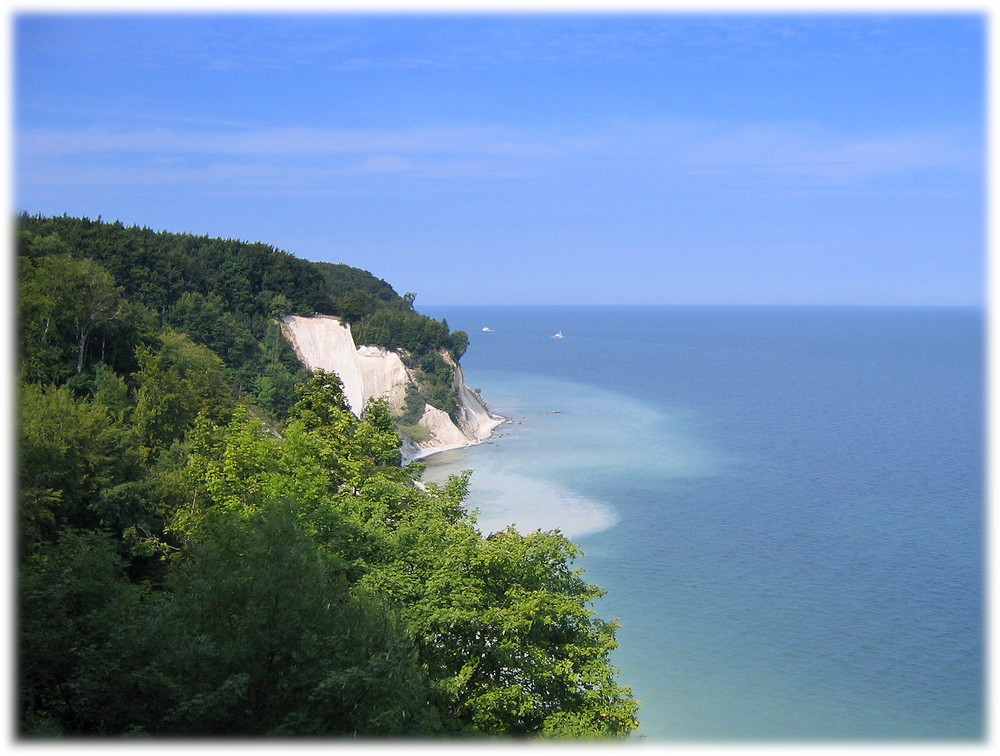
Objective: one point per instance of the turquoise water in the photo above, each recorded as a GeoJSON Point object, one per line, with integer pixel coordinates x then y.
{"type": "Point", "coordinates": [784, 504]}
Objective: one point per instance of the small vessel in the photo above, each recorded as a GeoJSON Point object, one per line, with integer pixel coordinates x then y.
{"type": "Point", "coordinates": [558, 335]}
{"type": "Point", "coordinates": [486, 329]}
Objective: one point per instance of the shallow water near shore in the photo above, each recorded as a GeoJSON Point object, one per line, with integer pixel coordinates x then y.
{"type": "Point", "coordinates": [784, 504]}
{"type": "Point", "coordinates": [545, 467]}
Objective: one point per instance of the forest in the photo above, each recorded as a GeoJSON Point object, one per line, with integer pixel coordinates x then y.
{"type": "Point", "coordinates": [225, 294]}
{"type": "Point", "coordinates": [211, 544]}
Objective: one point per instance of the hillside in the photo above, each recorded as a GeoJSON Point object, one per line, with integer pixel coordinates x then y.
{"type": "Point", "coordinates": [224, 294]}
{"type": "Point", "coordinates": [211, 543]}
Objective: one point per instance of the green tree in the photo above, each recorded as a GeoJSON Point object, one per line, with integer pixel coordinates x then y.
{"type": "Point", "coordinates": [63, 301]}
{"type": "Point", "coordinates": [207, 321]}
{"type": "Point", "coordinates": [81, 639]}
{"type": "Point", "coordinates": [402, 330]}
{"type": "Point", "coordinates": [278, 305]}
{"type": "Point", "coordinates": [70, 451]}
{"type": "Point", "coordinates": [301, 581]}
{"type": "Point", "coordinates": [274, 385]}
{"type": "Point", "coordinates": [506, 631]}
{"type": "Point", "coordinates": [458, 343]}
{"type": "Point", "coordinates": [177, 380]}
{"type": "Point", "coordinates": [324, 460]}
{"type": "Point", "coordinates": [355, 305]}
{"type": "Point", "coordinates": [262, 637]}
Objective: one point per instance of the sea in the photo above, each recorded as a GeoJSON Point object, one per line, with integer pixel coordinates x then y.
{"type": "Point", "coordinates": [785, 505]}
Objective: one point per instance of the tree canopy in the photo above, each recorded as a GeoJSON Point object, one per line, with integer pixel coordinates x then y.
{"type": "Point", "coordinates": [193, 562]}
{"type": "Point", "coordinates": [91, 291]}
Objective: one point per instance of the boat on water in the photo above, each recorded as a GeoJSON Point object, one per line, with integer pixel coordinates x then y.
{"type": "Point", "coordinates": [558, 335]}
{"type": "Point", "coordinates": [486, 329]}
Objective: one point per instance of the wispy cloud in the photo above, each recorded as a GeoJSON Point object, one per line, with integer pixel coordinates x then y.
{"type": "Point", "coordinates": [297, 161]}
{"type": "Point", "coordinates": [301, 159]}
{"type": "Point", "coordinates": [283, 141]}
{"type": "Point", "coordinates": [812, 154]}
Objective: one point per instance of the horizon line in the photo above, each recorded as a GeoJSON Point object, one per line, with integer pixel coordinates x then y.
{"type": "Point", "coordinates": [980, 305]}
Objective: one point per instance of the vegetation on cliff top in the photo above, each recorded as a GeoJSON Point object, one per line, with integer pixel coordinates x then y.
{"type": "Point", "coordinates": [212, 544]}
{"type": "Point", "coordinates": [224, 294]}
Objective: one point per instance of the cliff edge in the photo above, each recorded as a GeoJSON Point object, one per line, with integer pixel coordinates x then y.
{"type": "Point", "coordinates": [323, 342]}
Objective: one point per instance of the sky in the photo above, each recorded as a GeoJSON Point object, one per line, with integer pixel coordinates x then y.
{"type": "Point", "coordinates": [522, 158]}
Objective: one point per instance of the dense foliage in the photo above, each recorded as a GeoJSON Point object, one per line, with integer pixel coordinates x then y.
{"type": "Point", "coordinates": [193, 562]}
{"type": "Point", "coordinates": [112, 283]}
{"type": "Point", "coordinates": [357, 293]}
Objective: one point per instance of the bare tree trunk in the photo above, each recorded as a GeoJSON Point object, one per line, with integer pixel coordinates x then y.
{"type": "Point", "coordinates": [84, 335]}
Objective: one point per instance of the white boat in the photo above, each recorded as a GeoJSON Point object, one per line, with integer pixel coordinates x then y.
{"type": "Point", "coordinates": [487, 329]}
{"type": "Point", "coordinates": [558, 335]}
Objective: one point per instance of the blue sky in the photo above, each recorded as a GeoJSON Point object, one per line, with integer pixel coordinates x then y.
{"type": "Point", "coordinates": [655, 158]}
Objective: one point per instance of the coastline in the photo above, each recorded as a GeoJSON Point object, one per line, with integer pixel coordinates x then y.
{"type": "Point", "coordinates": [423, 452]}
{"type": "Point", "coordinates": [324, 342]}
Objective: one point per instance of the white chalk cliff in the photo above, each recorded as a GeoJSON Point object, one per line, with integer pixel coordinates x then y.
{"type": "Point", "coordinates": [367, 372]}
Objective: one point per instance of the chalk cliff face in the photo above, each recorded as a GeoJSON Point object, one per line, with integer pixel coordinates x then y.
{"type": "Point", "coordinates": [323, 342]}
